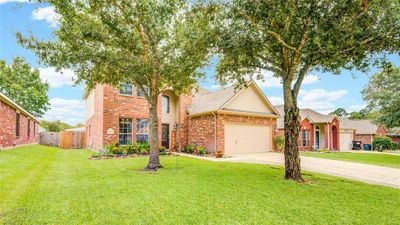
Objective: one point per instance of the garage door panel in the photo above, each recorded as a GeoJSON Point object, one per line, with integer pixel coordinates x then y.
{"type": "Point", "coordinates": [246, 138]}
{"type": "Point", "coordinates": [346, 139]}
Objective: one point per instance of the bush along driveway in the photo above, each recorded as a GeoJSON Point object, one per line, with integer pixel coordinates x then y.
{"type": "Point", "coordinates": [44, 185]}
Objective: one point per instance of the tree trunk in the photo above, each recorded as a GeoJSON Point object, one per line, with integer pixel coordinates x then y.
{"type": "Point", "coordinates": [292, 130]}
{"type": "Point", "coordinates": [154, 159]}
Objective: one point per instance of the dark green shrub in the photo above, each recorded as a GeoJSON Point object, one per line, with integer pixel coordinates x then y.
{"type": "Point", "coordinates": [280, 142]}
{"type": "Point", "coordinates": [143, 148]}
{"type": "Point", "coordinates": [394, 146]}
{"type": "Point", "coordinates": [382, 143]}
{"type": "Point", "coordinates": [201, 150]}
{"type": "Point", "coordinates": [188, 148]}
{"type": "Point", "coordinates": [162, 149]}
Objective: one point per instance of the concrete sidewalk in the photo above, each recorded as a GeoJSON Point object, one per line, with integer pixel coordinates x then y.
{"type": "Point", "coordinates": [362, 172]}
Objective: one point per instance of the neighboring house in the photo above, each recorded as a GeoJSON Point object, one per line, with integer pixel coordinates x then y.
{"type": "Point", "coordinates": [317, 131]}
{"type": "Point", "coordinates": [226, 120]}
{"type": "Point", "coordinates": [394, 134]}
{"type": "Point", "coordinates": [365, 130]}
{"type": "Point", "coordinates": [17, 126]}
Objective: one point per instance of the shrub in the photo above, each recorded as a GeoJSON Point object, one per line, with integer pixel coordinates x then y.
{"type": "Point", "coordinates": [280, 142]}
{"type": "Point", "coordinates": [162, 149]}
{"type": "Point", "coordinates": [394, 146]}
{"type": "Point", "coordinates": [143, 147]}
{"type": "Point", "coordinates": [323, 150]}
{"type": "Point", "coordinates": [201, 150]}
{"type": "Point", "coordinates": [188, 149]}
{"type": "Point", "coordinates": [383, 143]}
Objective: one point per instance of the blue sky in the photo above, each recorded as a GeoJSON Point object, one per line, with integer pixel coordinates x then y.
{"type": "Point", "coordinates": [322, 92]}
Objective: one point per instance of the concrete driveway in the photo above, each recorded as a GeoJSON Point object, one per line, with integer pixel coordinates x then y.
{"type": "Point", "coordinates": [362, 172]}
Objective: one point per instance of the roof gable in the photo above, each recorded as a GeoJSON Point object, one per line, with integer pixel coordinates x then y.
{"type": "Point", "coordinates": [248, 99]}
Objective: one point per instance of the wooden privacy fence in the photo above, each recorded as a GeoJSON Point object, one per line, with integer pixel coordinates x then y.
{"type": "Point", "coordinates": [49, 138]}
{"type": "Point", "coordinates": [64, 139]}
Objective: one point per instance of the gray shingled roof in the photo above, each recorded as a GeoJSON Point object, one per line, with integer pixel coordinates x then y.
{"type": "Point", "coordinates": [314, 116]}
{"type": "Point", "coordinates": [210, 102]}
{"type": "Point", "coordinates": [361, 126]}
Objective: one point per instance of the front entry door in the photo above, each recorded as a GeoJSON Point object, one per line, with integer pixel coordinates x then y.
{"type": "Point", "coordinates": [165, 136]}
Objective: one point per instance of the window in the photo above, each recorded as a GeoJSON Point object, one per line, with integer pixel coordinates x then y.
{"type": "Point", "coordinates": [125, 89]}
{"type": "Point", "coordinates": [140, 93]}
{"type": "Point", "coordinates": [142, 130]}
{"type": "Point", "coordinates": [17, 125]}
{"type": "Point", "coordinates": [125, 131]}
{"type": "Point", "coordinates": [304, 138]}
{"type": "Point", "coordinates": [29, 128]}
{"type": "Point", "coordinates": [165, 104]}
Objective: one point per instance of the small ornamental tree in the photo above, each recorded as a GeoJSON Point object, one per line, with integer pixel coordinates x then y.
{"type": "Point", "coordinates": [292, 38]}
{"type": "Point", "coordinates": [20, 82]}
{"type": "Point", "coordinates": [153, 44]}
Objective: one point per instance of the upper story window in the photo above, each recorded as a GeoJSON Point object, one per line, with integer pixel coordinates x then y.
{"type": "Point", "coordinates": [17, 121]}
{"type": "Point", "coordinates": [165, 104]}
{"type": "Point", "coordinates": [139, 91]}
{"type": "Point", "coordinates": [125, 131]}
{"type": "Point", "coordinates": [125, 89]}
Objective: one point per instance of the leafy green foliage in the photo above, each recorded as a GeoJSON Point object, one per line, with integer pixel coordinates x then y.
{"type": "Point", "coordinates": [383, 96]}
{"type": "Point", "coordinates": [340, 112]}
{"type": "Point", "coordinates": [280, 142]}
{"type": "Point", "coordinates": [55, 126]}
{"type": "Point", "coordinates": [22, 84]}
{"type": "Point", "coordinates": [384, 143]}
{"type": "Point", "coordinates": [154, 45]}
{"type": "Point", "coordinates": [292, 38]}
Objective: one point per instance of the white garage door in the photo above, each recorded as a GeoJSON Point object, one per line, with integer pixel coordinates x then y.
{"type": "Point", "coordinates": [346, 140]}
{"type": "Point", "coordinates": [245, 138]}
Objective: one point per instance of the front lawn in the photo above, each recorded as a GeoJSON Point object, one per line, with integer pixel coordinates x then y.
{"type": "Point", "coordinates": [367, 158]}
{"type": "Point", "coordinates": [45, 185]}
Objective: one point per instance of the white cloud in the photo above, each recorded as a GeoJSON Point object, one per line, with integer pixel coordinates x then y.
{"type": "Point", "coordinates": [320, 100]}
{"type": "Point", "coordinates": [57, 79]}
{"type": "Point", "coordinates": [271, 81]}
{"type": "Point", "coordinates": [276, 100]}
{"type": "Point", "coordinates": [356, 107]}
{"type": "Point", "coordinates": [11, 1]}
{"type": "Point", "coordinates": [310, 79]}
{"type": "Point", "coordinates": [71, 111]}
{"type": "Point", "coordinates": [47, 14]}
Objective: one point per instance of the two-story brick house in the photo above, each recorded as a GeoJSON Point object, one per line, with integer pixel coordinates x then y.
{"type": "Point", "coordinates": [225, 120]}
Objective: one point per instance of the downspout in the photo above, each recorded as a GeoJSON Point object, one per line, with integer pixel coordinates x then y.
{"type": "Point", "coordinates": [215, 132]}
{"type": "Point", "coordinates": [329, 137]}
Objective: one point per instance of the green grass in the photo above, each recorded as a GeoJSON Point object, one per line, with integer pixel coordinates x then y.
{"type": "Point", "coordinates": [44, 185]}
{"type": "Point", "coordinates": [367, 158]}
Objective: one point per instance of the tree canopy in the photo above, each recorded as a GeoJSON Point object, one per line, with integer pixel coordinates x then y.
{"type": "Point", "coordinates": [383, 96]}
{"type": "Point", "coordinates": [340, 112]}
{"type": "Point", "coordinates": [292, 38]}
{"type": "Point", "coordinates": [20, 82]}
{"type": "Point", "coordinates": [155, 45]}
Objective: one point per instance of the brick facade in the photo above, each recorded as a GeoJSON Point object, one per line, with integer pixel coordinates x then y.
{"type": "Point", "coordinates": [8, 137]}
{"type": "Point", "coordinates": [103, 127]}
{"type": "Point", "coordinates": [202, 132]}
{"type": "Point", "coordinates": [308, 128]}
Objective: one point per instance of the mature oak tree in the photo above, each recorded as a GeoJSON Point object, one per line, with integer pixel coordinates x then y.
{"type": "Point", "coordinates": [153, 44]}
{"type": "Point", "coordinates": [383, 96]}
{"type": "Point", "coordinates": [292, 38]}
{"type": "Point", "coordinates": [23, 85]}
{"type": "Point", "coordinates": [340, 112]}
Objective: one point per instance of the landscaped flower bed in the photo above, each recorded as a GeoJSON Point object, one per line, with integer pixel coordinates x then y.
{"type": "Point", "coordinates": [114, 151]}
{"type": "Point", "coordinates": [200, 151]}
